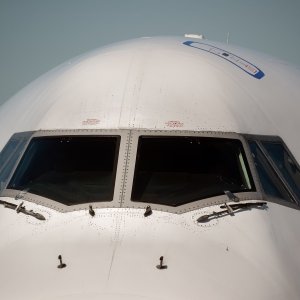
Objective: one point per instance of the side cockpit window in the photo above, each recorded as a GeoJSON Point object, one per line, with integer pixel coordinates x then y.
{"type": "Point", "coordinates": [69, 169]}
{"type": "Point", "coordinates": [177, 170]}
{"type": "Point", "coordinates": [10, 154]}
{"type": "Point", "coordinates": [285, 164]}
{"type": "Point", "coordinates": [278, 171]}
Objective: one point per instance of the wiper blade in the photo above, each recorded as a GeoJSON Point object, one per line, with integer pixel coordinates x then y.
{"type": "Point", "coordinates": [245, 205]}
{"type": "Point", "coordinates": [208, 217]}
{"type": "Point", "coordinates": [21, 209]}
{"type": "Point", "coordinates": [229, 210]}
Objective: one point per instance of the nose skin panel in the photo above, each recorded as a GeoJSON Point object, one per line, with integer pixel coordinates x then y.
{"type": "Point", "coordinates": [114, 255]}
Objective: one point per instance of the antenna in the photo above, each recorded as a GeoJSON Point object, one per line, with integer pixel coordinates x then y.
{"type": "Point", "coordinates": [194, 36]}
{"type": "Point", "coordinates": [227, 40]}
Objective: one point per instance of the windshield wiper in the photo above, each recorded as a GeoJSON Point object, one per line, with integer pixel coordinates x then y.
{"type": "Point", "coordinates": [21, 209]}
{"type": "Point", "coordinates": [229, 210]}
{"type": "Point", "coordinates": [245, 205]}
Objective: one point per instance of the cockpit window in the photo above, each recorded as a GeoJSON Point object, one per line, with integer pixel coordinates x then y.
{"type": "Point", "coordinates": [69, 169]}
{"type": "Point", "coordinates": [270, 182]}
{"type": "Point", "coordinates": [178, 170]}
{"type": "Point", "coordinates": [10, 154]}
{"type": "Point", "coordinates": [278, 171]}
{"type": "Point", "coordinates": [285, 163]}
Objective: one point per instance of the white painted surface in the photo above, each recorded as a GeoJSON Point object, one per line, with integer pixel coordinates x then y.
{"type": "Point", "coordinates": [154, 83]}
{"type": "Point", "coordinates": [114, 255]}
{"type": "Point", "coordinates": [146, 83]}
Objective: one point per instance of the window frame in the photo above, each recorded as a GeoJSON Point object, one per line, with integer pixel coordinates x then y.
{"type": "Point", "coordinates": [259, 139]}
{"type": "Point", "coordinates": [119, 172]}
{"type": "Point", "coordinates": [215, 200]}
{"type": "Point", "coordinates": [126, 166]}
{"type": "Point", "coordinates": [23, 139]}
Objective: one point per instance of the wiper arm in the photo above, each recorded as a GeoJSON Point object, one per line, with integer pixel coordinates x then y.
{"type": "Point", "coordinates": [229, 210]}
{"type": "Point", "coordinates": [245, 205]}
{"type": "Point", "coordinates": [21, 209]}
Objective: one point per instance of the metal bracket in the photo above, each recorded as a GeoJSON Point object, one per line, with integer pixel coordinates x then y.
{"type": "Point", "coordinates": [231, 196]}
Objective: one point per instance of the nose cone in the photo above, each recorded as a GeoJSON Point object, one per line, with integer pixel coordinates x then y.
{"type": "Point", "coordinates": [114, 255]}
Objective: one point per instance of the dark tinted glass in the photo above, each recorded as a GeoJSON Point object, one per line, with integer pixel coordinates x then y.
{"type": "Point", "coordinates": [178, 170]}
{"type": "Point", "coordinates": [286, 165]}
{"type": "Point", "coordinates": [270, 182]}
{"type": "Point", "coordinates": [70, 170]}
{"type": "Point", "coordinates": [10, 154]}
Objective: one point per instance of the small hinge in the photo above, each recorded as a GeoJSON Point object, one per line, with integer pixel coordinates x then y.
{"type": "Point", "coordinates": [231, 196]}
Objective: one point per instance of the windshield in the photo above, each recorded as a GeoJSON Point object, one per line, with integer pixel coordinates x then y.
{"type": "Point", "coordinates": [285, 164]}
{"type": "Point", "coordinates": [10, 154]}
{"type": "Point", "coordinates": [278, 171]}
{"type": "Point", "coordinates": [270, 182]}
{"type": "Point", "coordinates": [178, 170]}
{"type": "Point", "coordinates": [69, 169]}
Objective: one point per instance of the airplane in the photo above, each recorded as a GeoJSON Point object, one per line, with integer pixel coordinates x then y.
{"type": "Point", "coordinates": [155, 168]}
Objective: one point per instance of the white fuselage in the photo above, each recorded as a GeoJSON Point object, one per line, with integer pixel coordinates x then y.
{"type": "Point", "coordinates": [156, 87]}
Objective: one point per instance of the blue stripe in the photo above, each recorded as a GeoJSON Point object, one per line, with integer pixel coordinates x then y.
{"type": "Point", "coordinates": [229, 57]}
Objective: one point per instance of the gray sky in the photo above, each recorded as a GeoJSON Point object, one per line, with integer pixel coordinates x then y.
{"type": "Point", "coordinates": [37, 35]}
